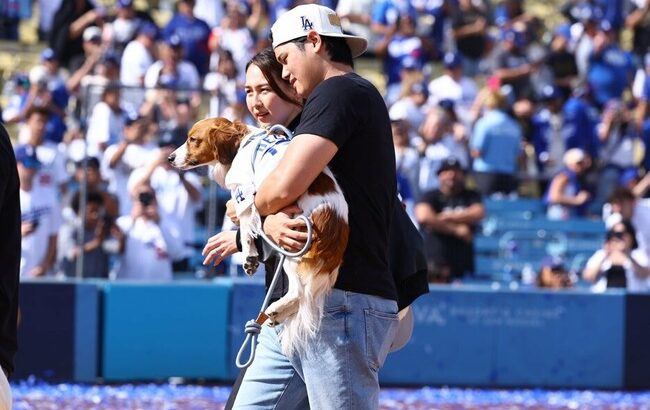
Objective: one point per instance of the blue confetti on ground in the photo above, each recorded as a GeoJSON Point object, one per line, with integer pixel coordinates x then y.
{"type": "Point", "coordinates": [31, 394]}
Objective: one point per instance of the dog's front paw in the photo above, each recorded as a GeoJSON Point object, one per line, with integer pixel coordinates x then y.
{"type": "Point", "coordinates": [251, 265]}
{"type": "Point", "coordinates": [281, 310]}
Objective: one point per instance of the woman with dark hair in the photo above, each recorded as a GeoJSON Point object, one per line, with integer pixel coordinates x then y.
{"type": "Point", "coordinates": [619, 264]}
{"type": "Point", "coordinates": [270, 100]}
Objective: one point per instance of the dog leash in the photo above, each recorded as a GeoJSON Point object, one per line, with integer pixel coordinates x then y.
{"type": "Point", "coordinates": [253, 327]}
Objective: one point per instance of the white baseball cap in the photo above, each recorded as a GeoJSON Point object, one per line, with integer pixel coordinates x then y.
{"type": "Point", "coordinates": [300, 20]}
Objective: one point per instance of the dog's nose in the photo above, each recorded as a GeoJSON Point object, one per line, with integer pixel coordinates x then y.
{"type": "Point", "coordinates": [171, 157]}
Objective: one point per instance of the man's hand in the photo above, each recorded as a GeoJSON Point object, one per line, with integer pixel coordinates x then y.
{"type": "Point", "coordinates": [27, 228]}
{"type": "Point", "coordinates": [464, 232]}
{"type": "Point", "coordinates": [285, 231]}
{"type": "Point", "coordinates": [219, 247]}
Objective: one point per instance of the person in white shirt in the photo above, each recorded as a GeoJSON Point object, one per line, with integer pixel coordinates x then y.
{"type": "Point", "coordinates": [138, 57]}
{"type": "Point", "coordinates": [51, 175]}
{"type": "Point", "coordinates": [452, 85]}
{"type": "Point", "coordinates": [106, 122]}
{"type": "Point", "coordinates": [120, 160]}
{"type": "Point", "coordinates": [441, 139]}
{"type": "Point", "coordinates": [171, 69]}
{"type": "Point", "coordinates": [222, 84]}
{"type": "Point", "coordinates": [620, 263]}
{"type": "Point", "coordinates": [179, 198]}
{"type": "Point", "coordinates": [147, 245]}
{"type": "Point", "coordinates": [40, 218]}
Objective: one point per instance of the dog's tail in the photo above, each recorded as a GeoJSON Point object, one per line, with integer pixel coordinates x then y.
{"type": "Point", "coordinates": [318, 270]}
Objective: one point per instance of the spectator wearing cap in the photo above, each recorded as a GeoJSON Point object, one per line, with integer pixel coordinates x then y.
{"type": "Point", "coordinates": [233, 35]}
{"type": "Point", "coordinates": [397, 49]}
{"type": "Point", "coordinates": [561, 60]}
{"type": "Point", "coordinates": [638, 20]}
{"type": "Point", "coordinates": [172, 71]}
{"type": "Point", "coordinates": [138, 56]}
{"type": "Point", "coordinates": [439, 141]}
{"type": "Point", "coordinates": [469, 28]}
{"type": "Point", "coordinates": [11, 113]}
{"type": "Point", "coordinates": [92, 49]}
{"type": "Point", "coordinates": [134, 151]}
{"type": "Point", "coordinates": [39, 215]}
{"type": "Point", "coordinates": [193, 34]}
{"type": "Point", "coordinates": [553, 274]}
{"type": "Point", "coordinates": [454, 86]}
{"type": "Point", "coordinates": [412, 101]}
{"type": "Point", "coordinates": [51, 176]}
{"type": "Point", "coordinates": [70, 21]}
{"type": "Point", "coordinates": [610, 67]}
{"type": "Point", "coordinates": [566, 196]}
{"type": "Point", "coordinates": [106, 122]}
{"type": "Point", "coordinates": [619, 263]}
{"type": "Point", "coordinates": [124, 27]}
{"type": "Point", "coordinates": [513, 66]}
{"type": "Point", "coordinates": [548, 132]}
{"type": "Point", "coordinates": [496, 147]}
{"type": "Point", "coordinates": [448, 218]}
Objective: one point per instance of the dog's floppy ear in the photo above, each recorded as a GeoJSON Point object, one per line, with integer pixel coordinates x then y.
{"type": "Point", "coordinates": [225, 137]}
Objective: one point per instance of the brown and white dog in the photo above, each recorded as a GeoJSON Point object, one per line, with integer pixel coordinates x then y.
{"type": "Point", "coordinates": [242, 157]}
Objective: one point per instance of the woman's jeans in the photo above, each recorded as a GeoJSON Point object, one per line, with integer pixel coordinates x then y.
{"type": "Point", "coordinates": [337, 370]}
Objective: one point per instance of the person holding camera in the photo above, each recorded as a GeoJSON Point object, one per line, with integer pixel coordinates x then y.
{"type": "Point", "coordinates": [620, 263]}
{"type": "Point", "coordinates": [99, 229]}
{"type": "Point", "coordinates": [147, 241]}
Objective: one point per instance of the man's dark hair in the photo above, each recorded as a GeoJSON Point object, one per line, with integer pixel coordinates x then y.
{"type": "Point", "coordinates": [337, 49]}
{"type": "Point", "coordinates": [92, 197]}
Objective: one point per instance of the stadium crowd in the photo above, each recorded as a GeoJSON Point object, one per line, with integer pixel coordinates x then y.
{"type": "Point", "coordinates": [485, 100]}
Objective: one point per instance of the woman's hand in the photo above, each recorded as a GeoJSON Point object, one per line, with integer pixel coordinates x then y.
{"type": "Point", "coordinates": [219, 247]}
{"type": "Point", "coordinates": [285, 231]}
{"type": "Point", "coordinates": [230, 212]}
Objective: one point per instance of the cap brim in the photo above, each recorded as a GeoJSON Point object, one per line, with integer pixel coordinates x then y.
{"type": "Point", "coordinates": [358, 45]}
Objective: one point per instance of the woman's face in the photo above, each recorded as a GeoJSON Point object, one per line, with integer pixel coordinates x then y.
{"type": "Point", "coordinates": [264, 104]}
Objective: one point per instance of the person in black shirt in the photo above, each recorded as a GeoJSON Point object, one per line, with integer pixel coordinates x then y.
{"type": "Point", "coordinates": [448, 217]}
{"type": "Point", "coordinates": [344, 125]}
{"type": "Point", "coordinates": [10, 262]}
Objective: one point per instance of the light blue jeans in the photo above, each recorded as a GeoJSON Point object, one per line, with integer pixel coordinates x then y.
{"type": "Point", "coordinates": [337, 371]}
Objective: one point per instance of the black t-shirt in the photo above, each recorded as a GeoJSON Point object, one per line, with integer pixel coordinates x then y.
{"type": "Point", "coordinates": [349, 111]}
{"type": "Point", "coordinates": [470, 46]}
{"type": "Point", "coordinates": [562, 64]}
{"type": "Point", "coordinates": [447, 249]}
{"type": "Point", "coordinates": [9, 251]}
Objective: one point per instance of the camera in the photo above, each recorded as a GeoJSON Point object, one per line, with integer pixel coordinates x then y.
{"type": "Point", "coordinates": [145, 198]}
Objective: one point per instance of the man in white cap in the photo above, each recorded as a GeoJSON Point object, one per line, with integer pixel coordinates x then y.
{"type": "Point", "coordinates": [344, 125]}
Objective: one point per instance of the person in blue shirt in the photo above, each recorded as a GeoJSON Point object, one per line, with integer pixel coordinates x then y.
{"type": "Point", "coordinates": [194, 34]}
{"type": "Point", "coordinates": [566, 196]}
{"type": "Point", "coordinates": [610, 67]}
{"type": "Point", "coordinates": [496, 147]}
{"type": "Point", "coordinates": [580, 119]}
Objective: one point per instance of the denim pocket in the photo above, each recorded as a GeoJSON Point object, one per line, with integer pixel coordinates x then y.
{"type": "Point", "coordinates": [380, 332]}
